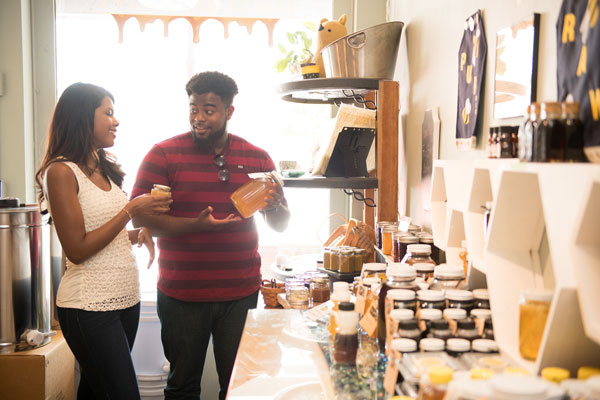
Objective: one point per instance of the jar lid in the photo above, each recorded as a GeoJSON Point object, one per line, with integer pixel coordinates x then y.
{"type": "Point", "coordinates": [449, 271]}
{"type": "Point", "coordinates": [529, 387]}
{"type": "Point", "coordinates": [481, 373]}
{"type": "Point", "coordinates": [407, 239]}
{"type": "Point", "coordinates": [321, 279]}
{"type": "Point", "coordinates": [455, 313]}
{"type": "Point", "coordinates": [430, 313]}
{"type": "Point", "coordinates": [401, 271]}
{"type": "Point", "coordinates": [466, 323]}
{"type": "Point", "coordinates": [459, 295]}
{"type": "Point", "coordinates": [460, 345]}
{"type": "Point", "coordinates": [424, 267]}
{"type": "Point", "coordinates": [427, 239]}
{"type": "Point", "coordinates": [537, 294]}
{"type": "Point", "coordinates": [430, 295]}
{"type": "Point", "coordinates": [484, 346]}
{"type": "Point", "coordinates": [482, 294]}
{"type": "Point", "coordinates": [481, 313]}
{"type": "Point", "coordinates": [555, 374]}
{"type": "Point", "coordinates": [401, 294]}
{"type": "Point", "coordinates": [382, 223]}
{"type": "Point", "coordinates": [432, 344]}
{"type": "Point", "coordinates": [346, 306]}
{"type": "Point", "coordinates": [418, 248]}
{"type": "Point", "coordinates": [390, 228]}
{"type": "Point", "coordinates": [341, 286]}
{"type": "Point", "coordinates": [404, 345]}
{"type": "Point", "coordinates": [374, 267]}
{"type": "Point", "coordinates": [402, 314]}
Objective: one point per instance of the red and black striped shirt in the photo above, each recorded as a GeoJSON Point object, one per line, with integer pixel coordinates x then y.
{"type": "Point", "coordinates": [205, 266]}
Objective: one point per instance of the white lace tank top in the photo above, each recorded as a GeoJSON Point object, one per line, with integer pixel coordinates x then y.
{"type": "Point", "coordinates": [109, 279]}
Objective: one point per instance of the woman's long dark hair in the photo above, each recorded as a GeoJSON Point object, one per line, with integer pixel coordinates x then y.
{"type": "Point", "coordinates": [70, 137]}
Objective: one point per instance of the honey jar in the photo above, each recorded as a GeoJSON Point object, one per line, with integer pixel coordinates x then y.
{"type": "Point", "coordinates": [534, 308]}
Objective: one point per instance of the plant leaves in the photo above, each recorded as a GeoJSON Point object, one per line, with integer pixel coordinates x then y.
{"type": "Point", "coordinates": [310, 25]}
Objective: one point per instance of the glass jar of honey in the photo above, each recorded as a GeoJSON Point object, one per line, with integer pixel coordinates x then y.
{"type": "Point", "coordinates": [534, 308]}
{"type": "Point", "coordinates": [386, 239]}
{"type": "Point", "coordinates": [160, 190]}
{"type": "Point", "coordinates": [250, 197]}
{"type": "Point", "coordinates": [319, 288]}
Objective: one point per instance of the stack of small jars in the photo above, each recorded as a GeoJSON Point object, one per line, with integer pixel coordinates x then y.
{"type": "Point", "coordinates": [344, 259]}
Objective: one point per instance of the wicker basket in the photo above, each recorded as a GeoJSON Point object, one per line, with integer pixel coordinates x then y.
{"type": "Point", "coordinates": [269, 291]}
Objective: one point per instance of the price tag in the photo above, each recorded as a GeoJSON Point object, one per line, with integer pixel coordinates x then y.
{"type": "Point", "coordinates": [369, 321]}
{"type": "Point", "coordinates": [391, 377]}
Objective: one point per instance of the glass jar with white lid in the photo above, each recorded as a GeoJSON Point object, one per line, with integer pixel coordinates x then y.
{"type": "Point", "coordinates": [447, 276]}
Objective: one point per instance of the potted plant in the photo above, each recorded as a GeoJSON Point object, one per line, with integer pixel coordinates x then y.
{"type": "Point", "coordinates": [297, 56]}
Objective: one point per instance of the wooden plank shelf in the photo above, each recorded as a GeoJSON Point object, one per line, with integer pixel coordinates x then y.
{"type": "Point", "coordinates": [322, 182]}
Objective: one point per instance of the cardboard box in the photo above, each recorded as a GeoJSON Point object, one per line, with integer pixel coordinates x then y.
{"type": "Point", "coordinates": [45, 373]}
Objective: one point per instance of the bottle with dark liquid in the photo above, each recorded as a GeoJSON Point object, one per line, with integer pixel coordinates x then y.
{"type": "Point", "coordinates": [550, 135]}
{"type": "Point", "coordinates": [573, 132]}
{"type": "Point", "coordinates": [345, 342]}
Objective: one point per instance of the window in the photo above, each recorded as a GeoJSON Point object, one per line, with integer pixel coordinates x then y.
{"type": "Point", "coordinates": [147, 74]}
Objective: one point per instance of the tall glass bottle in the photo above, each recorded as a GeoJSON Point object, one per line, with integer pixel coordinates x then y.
{"type": "Point", "coordinates": [573, 132]}
{"type": "Point", "coordinates": [526, 142]}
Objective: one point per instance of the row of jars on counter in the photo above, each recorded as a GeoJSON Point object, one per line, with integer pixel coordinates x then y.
{"type": "Point", "coordinates": [393, 241]}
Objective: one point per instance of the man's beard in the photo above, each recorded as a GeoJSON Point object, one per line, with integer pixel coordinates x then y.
{"type": "Point", "coordinates": [210, 141]}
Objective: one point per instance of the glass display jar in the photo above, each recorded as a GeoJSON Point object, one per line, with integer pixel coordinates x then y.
{"type": "Point", "coordinates": [250, 197]}
{"type": "Point", "coordinates": [459, 299]}
{"type": "Point", "coordinates": [418, 253]}
{"type": "Point", "coordinates": [447, 277]}
{"type": "Point", "coordinates": [346, 261]}
{"type": "Point", "coordinates": [431, 299]}
{"type": "Point", "coordinates": [335, 259]}
{"type": "Point", "coordinates": [386, 237]}
{"type": "Point", "coordinates": [534, 309]}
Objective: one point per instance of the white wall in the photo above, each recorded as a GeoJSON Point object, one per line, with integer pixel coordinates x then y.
{"type": "Point", "coordinates": [433, 30]}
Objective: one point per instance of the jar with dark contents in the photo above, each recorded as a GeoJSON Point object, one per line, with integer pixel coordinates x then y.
{"type": "Point", "coordinates": [481, 298]}
{"type": "Point", "coordinates": [345, 343]}
{"type": "Point", "coordinates": [319, 288]}
{"type": "Point", "coordinates": [456, 347]}
{"type": "Point", "coordinates": [426, 317]}
{"type": "Point", "coordinates": [550, 134]}
{"type": "Point", "coordinates": [379, 232]}
{"type": "Point", "coordinates": [360, 256]}
{"type": "Point", "coordinates": [466, 329]}
{"type": "Point", "coordinates": [431, 299]}
{"type": "Point", "coordinates": [440, 329]}
{"type": "Point", "coordinates": [446, 276]}
{"type": "Point", "coordinates": [573, 132]}
{"type": "Point", "coordinates": [396, 245]}
{"type": "Point", "coordinates": [506, 145]}
{"type": "Point", "coordinates": [435, 251]}
{"type": "Point", "coordinates": [409, 329]}
{"type": "Point", "coordinates": [459, 299]}
{"type": "Point", "coordinates": [403, 242]}
{"type": "Point", "coordinates": [418, 253]}
{"type": "Point", "coordinates": [488, 329]}
{"type": "Point", "coordinates": [424, 271]}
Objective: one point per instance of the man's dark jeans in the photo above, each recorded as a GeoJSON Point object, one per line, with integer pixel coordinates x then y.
{"type": "Point", "coordinates": [186, 328]}
{"type": "Point", "coordinates": [101, 342]}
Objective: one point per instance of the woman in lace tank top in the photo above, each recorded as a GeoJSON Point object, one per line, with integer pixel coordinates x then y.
{"type": "Point", "coordinates": [98, 297]}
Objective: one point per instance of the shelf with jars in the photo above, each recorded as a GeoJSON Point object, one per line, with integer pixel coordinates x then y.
{"type": "Point", "coordinates": [543, 234]}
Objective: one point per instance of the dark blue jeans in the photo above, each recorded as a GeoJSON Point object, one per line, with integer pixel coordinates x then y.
{"type": "Point", "coordinates": [101, 342]}
{"type": "Point", "coordinates": [186, 328]}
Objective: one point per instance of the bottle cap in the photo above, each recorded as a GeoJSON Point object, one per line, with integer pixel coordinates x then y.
{"type": "Point", "coordinates": [404, 345]}
{"type": "Point", "coordinates": [481, 313]}
{"type": "Point", "coordinates": [481, 373]}
{"type": "Point", "coordinates": [587, 372]}
{"type": "Point", "coordinates": [401, 271]}
{"type": "Point", "coordinates": [440, 375]}
{"type": "Point", "coordinates": [402, 314]}
{"type": "Point", "coordinates": [484, 346]}
{"type": "Point", "coordinates": [401, 294]}
{"type": "Point", "coordinates": [346, 306]}
{"type": "Point", "coordinates": [459, 295]}
{"type": "Point", "coordinates": [432, 344]}
{"type": "Point", "coordinates": [555, 374]}
{"type": "Point", "coordinates": [431, 314]}
{"type": "Point", "coordinates": [430, 295]}
{"type": "Point", "coordinates": [423, 267]}
{"type": "Point", "coordinates": [482, 294]}
{"type": "Point", "coordinates": [455, 313]}
{"type": "Point", "coordinates": [418, 248]}
{"type": "Point", "coordinates": [458, 345]}
{"type": "Point", "coordinates": [449, 271]}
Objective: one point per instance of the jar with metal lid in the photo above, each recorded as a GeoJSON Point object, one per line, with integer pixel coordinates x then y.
{"type": "Point", "coordinates": [346, 260]}
{"type": "Point", "coordinates": [409, 329]}
{"type": "Point", "coordinates": [386, 237]}
{"type": "Point", "coordinates": [440, 329]}
{"type": "Point", "coordinates": [481, 298]}
{"type": "Point", "coordinates": [360, 256]}
{"type": "Point", "coordinates": [418, 253]}
{"type": "Point", "coordinates": [459, 299]}
{"type": "Point", "coordinates": [534, 309]}
{"type": "Point", "coordinates": [379, 231]}
{"type": "Point", "coordinates": [446, 276]}
{"type": "Point", "coordinates": [466, 329]}
{"type": "Point", "coordinates": [319, 288]}
{"type": "Point", "coordinates": [431, 299]}
{"type": "Point", "coordinates": [373, 270]}
{"type": "Point", "coordinates": [456, 347]}
{"type": "Point", "coordinates": [424, 271]}
{"type": "Point", "coordinates": [432, 344]}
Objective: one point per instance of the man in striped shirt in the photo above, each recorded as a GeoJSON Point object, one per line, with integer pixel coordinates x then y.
{"type": "Point", "coordinates": [209, 266]}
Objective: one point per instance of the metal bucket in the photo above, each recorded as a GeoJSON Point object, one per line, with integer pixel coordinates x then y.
{"type": "Point", "coordinates": [24, 278]}
{"type": "Point", "coordinates": [370, 53]}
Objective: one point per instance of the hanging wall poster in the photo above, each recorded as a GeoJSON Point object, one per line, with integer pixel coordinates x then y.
{"type": "Point", "coordinates": [578, 69]}
{"type": "Point", "coordinates": [471, 74]}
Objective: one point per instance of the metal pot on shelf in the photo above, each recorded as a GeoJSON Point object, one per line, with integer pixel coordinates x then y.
{"type": "Point", "coordinates": [24, 277]}
{"type": "Point", "coordinates": [370, 53]}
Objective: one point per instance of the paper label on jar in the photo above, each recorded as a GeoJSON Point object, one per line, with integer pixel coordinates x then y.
{"type": "Point", "coordinates": [361, 292]}
{"type": "Point", "coordinates": [369, 321]}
